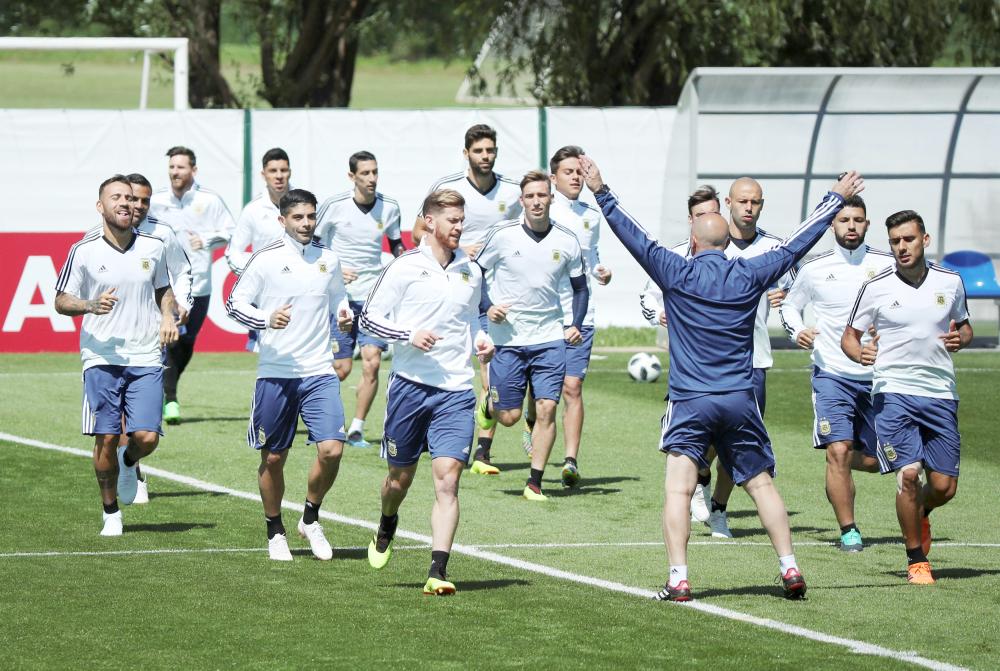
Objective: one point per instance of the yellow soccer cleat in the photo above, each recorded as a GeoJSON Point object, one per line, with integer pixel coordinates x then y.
{"type": "Point", "coordinates": [436, 587]}
{"type": "Point", "coordinates": [378, 559]}
{"type": "Point", "coordinates": [533, 493]}
{"type": "Point", "coordinates": [480, 467]}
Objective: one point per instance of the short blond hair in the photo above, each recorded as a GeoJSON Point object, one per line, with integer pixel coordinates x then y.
{"type": "Point", "coordinates": [534, 176]}
{"type": "Point", "coordinates": [439, 200]}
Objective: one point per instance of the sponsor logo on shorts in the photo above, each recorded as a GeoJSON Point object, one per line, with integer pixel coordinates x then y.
{"type": "Point", "coordinates": [555, 255]}
{"type": "Point", "coordinates": [889, 451]}
{"type": "Point", "coordinates": [939, 298]}
{"type": "Point", "coordinates": [494, 395]}
{"type": "Point", "coordinates": [390, 447]}
{"type": "Point", "coordinates": [146, 264]}
{"type": "Point", "coordinates": [322, 266]}
{"type": "Point", "coordinates": [824, 427]}
{"type": "Point", "coordinates": [261, 436]}
{"type": "Point", "coordinates": [465, 451]}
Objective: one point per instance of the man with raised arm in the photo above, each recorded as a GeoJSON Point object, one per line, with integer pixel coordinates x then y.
{"type": "Point", "coordinates": [711, 304]}
{"type": "Point", "coordinates": [427, 302]}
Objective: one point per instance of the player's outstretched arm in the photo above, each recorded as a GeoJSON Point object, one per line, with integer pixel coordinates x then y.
{"type": "Point", "coordinates": [658, 262]}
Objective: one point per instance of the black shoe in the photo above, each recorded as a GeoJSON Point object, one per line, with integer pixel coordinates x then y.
{"type": "Point", "coordinates": [680, 593]}
{"type": "Point", "coordinates": [793, 584]}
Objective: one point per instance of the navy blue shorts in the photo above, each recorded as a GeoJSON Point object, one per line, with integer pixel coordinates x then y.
{"type": "Point", "coordinates": [421, 418]}
{"type": "Point", "coordinates": [278, 402]}
{"type": "Point", "coordinates": [731, 422]}
{"type": "Point", "coordinates": [842, 410]}
{"type": "Point", "coordinates": [578, 356]}
{"type": "Point", "coordinates": [917, 429]}
{"type": "Point", "coordinates": [514, 366]}
{"type": "Point", "coordinates": [111, 392]}
{"type": "Point", "coordinates": [343, 341]}
{"type": "Point", "coordinates": [760, 388]}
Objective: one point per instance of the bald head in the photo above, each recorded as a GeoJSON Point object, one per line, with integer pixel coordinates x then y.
{"type": "Point", "coordinates": [709, 231]}
{"type": "Point", "coordinates": [743, 184]}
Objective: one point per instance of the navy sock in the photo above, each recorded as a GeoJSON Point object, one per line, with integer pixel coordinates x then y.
{"type": "Point", "coordinates": [311, 512]}
{"type": "Point", "coordinates": [274, 526]}
{"type": "Point", "coordinates": [571, 460]}
{"type": "Point", "coordinates": [536, 477]}
{"type": "Point", "coordinates": [111, 508]}
{"type": "Point", "coordinates": [483, 448]}
{"type": "Point", "coordinates": [716, 506]}
{"type": "Point", "coordinates": [125, 458]}
{"type": "Point", "coordinates": [849, 527]}
{"type": "Point", "coordinates": [915, 555]}
{"type": "Point", "coordinates": [705, 480]}
{"type": "Point", "coordinates": [439, 565]}
{"type": "Point", "coordinates": [386, 531]}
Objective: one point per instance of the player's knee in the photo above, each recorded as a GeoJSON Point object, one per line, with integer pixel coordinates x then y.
{"type": "Point", "coordinates": [545, 411]}
{"type": "Point", "coordinates": [146, 440]}
{"type": "Point", "coordinates": [398, 479]}
{"type": "Point", "coordinates": [509, 417]}
{"type": "Point", "coordinates": [272, 459]}
{"type": "Point", "coordinates": [572, 389]}
{"type": "Point", "coordinates": [908, 480]}
{"type": "Point", "coordinates": [329, 451]}
{"type": "Point", "coordinates": [839, 454]}
{"type": "Point", "coordinates": [370, 365]}
{"type": "Point", "coordinates": [944, 488]}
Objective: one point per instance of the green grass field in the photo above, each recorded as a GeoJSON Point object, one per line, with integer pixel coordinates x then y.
{"type": "Point", "coordinates": [189, 584]}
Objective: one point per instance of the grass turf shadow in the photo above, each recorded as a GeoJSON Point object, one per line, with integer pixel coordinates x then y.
{"type": "Point", "coordinates": [473, 585]}
{"type": "Point", "coordinates": [168, 527]}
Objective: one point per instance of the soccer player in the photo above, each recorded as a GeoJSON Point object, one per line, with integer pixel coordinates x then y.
{"type": "Point", "coordinates": [353, 224]}
{"type": "Point", "coordinates": [201, 221]}
{"type": "Point", "coordinates": [287, 291]}
{"type": "Point", "coordinates": [919, 314]}
{"type": "Point", "coordinates": [525, 261]}
{"type": "Point", "coordinates": [116, 277]}
{"type": "Point", "coordinates": [844, 422]}
{"type": "Point", "coordinates": [427, 302]}
{"type": "Point", "coordinates": [259, 223]}
{"type": "Point", "coordinates": [584, 220]}
{"type": "Point", "coordinates": [711, 304]}
{"type": "Point", "coordinates": [490, 198]}
{"type": "Point", "coordinates": [178, 270]}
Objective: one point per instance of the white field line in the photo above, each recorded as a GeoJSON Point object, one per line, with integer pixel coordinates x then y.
{"type": "Point", "coordinates": [718, 543]}
{"type": "Point", "coordinates": [178, 551]}
{"type": "Point", "coordinates": [859, 647]}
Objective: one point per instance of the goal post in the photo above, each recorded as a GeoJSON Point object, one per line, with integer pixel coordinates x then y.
{"type": "Point", "coordinates": [148, 45]}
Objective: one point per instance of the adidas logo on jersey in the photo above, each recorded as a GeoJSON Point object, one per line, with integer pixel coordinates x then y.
{"type": "Point", "coordinates": [895, 304]}
{"type": "Point", "coordinates": [517, 252]}
{"type": "Point", "coordinates": [830, 277]}
{"type": "Point", "coordinates": [102, 269]}
{"type": "Point", "coordinates": [285, 270]}
{"type": "Point", "coordinates": [424, 273]}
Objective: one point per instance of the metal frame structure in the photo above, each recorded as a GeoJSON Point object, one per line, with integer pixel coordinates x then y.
{"type": "Point", "coordinates": [147, 45]}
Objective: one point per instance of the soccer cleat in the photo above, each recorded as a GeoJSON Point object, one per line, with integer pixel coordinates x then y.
{"type": "Point", "coordinates": [112, 524]}
{"type": "Point", "coordinates": [317, 541]}
{"type": "Point", "coordinates": [793, 584]}
{"type": "Point", "coordinates": [533, 493]}
{"type": "Point", "coordinates": [919, 573]}
{"type": "Point", "coordinates": [681, 593]}
{"type": "Point", "coordinates": [719, 524]}
{"type": "Point", "coordinates": [484, 467]}
{"type": "Point", "coordinates": [357, 439]}
{"type": "Point", "coordinates": [172, 412]}
{"type": "Point", "coordinates": [128, 479]}
{"type": "Point", "coordinates": [277, 548]}
{"type": "Point", "coordinates": [700, 504]}
{"type": "Point", "coordinates": [851, 541]}
{"type": "Point", "coordinates": [141, 493]}
{"type": "Point", "coordinates": [925, 535]}
{"type": "Point", "coordinates": [485, 423]}
{"type": "Point", "coordinates": [438, 587]}
{"type": "Point", "coordinates": [570, 475]}
{"type": "Point", "coordinates": [378, 559]}
{"type": "Point", "coordinates": [526, 441]}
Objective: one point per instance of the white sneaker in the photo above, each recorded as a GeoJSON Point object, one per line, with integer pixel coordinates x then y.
{"type": "Point", "coordinates": [277, 548]}
{"type": "Point", "coordinates": [128, 479]}
{"type": "Point", "coordinates": [112, 524]}
{"type": "Point", "coordinates": [317, 541]}
{"type": "Point", "coordinates": [141, 493]}
{"type": "Point", "coordinates": [719, 524]}
{"type": "Point", "coordinates": [700, 508]}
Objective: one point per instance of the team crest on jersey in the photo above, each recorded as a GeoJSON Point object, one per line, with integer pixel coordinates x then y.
{"type": "Point", "coordinates": [889, 451]}
{"type": "Point", "coordinates": [555, 255]}
{"type": "Point", "coordinates": [199, 208]}
{"type": "Point", "coordinates": [502, 206]}
{"type": "Point", "coordinates": [871, 273]}
{"type": "Point", "coordinates": [465, 276]}
{"type": "Point", "coordinates": [261, 436]}
{"type": "Point", "coordinates": [939, 298]}
{"type": "Point", "coordinates": [586, 224]}
{"type": "Point", "coordinates": [322, 266]}
{"type": "Point", "coordinates": [824, 427]}
{"type": "Point", "coordinates": [378, 224]}
{"type": "Point", "coordinates": [390, 447]}
{"type": "Point", "coordinates": [146, 264]}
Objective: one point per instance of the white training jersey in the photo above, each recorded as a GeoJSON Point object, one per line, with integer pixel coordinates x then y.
{"type": "Point", "coordinates": [178, 264]}
{"type": "Point", "coordinates": [830, 282]}
{"type": "Point", "coordinates": [526, 271]}
{"type": "Point", "coordinates": [764, 242]}
{"type": "Point", "coordinates": [354, 232]}
{"type": "Point", "coordinates": [909, 320]}
{"type": "Point", "coordinates": [415, 293]}
{"type": "Point", "coordinates": [307, 277]}
{"type": "Point", "coordinates": [129, 335]}
{"type": "Point", "coordinates": [651, 303]}
{"type": "Point", "coordinates": [585, 222]}
{"type": "Point", "coordinates": [482, 210]}
{"type": "Point", "coordinates": [257, 227]}
{"type": "Point", "coordinates": [203, 213]}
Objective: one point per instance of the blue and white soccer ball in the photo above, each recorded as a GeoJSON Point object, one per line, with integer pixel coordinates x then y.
{"type": "Point", "coordinates": [643, 367]}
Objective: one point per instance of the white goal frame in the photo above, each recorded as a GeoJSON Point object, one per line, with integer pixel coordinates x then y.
{"type": "Point", "coordinates": [147, 45]}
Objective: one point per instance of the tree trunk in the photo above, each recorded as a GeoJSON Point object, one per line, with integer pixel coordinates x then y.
{"type": "Point", "coordinates": [199, 20]}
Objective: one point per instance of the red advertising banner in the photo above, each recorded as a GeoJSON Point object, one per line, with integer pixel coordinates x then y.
{"type": "Point", "coordinates": [28, 318]}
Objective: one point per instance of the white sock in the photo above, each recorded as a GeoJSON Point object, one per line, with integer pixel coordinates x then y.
{"type": "Point", "coordinates": [787, 562]}
{"type": "Point", "coordinates": [677, 574]}
{"type": "Point", "coordinates": [356, 425]}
